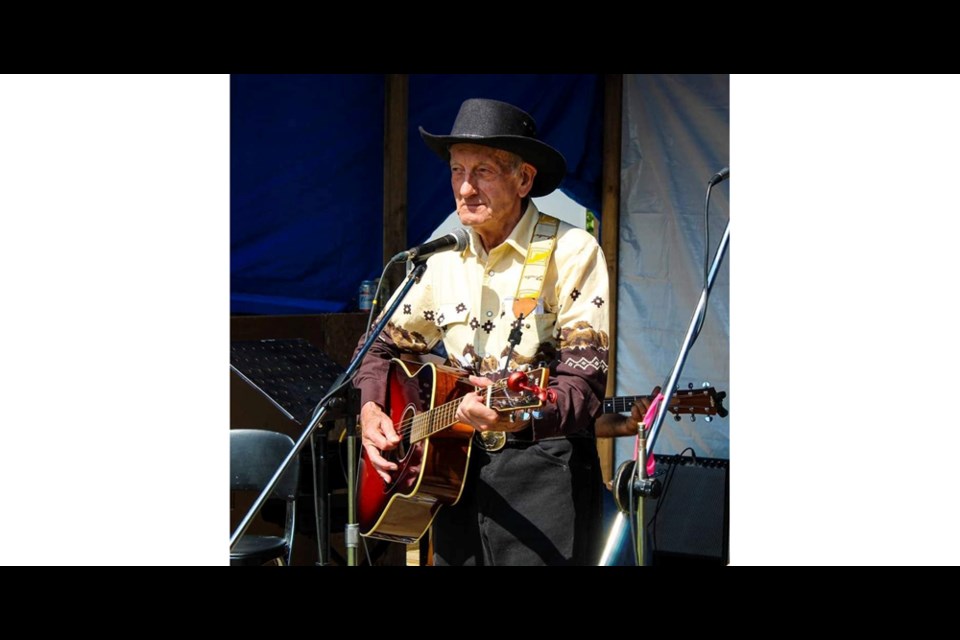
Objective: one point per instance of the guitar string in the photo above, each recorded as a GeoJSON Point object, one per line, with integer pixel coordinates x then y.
{"type": "Point", "coordinates": [443, 418]}
{"type": "Point", "coordinates": [688, 401]}
{"type": "Point", "coordinates": [446, 421]}
{"type": "Point", "coordinates": [407, 425]}
{"type": "Point", "coordinates": [433, 426]}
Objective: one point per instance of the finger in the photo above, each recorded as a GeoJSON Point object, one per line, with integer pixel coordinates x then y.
{"type": "Point", "coordinates": [373, 420]}
{"type": "Point", "coordinates": [379, 463]}
{"type": "Point", "coordinates": [381, 432]}
{"type": "Point", "coordinates": [461, 412]}
{"type": "Point", "coordinates": [389, 431]}
{"type": "Point", "coordinates": [482, 417]}
{"type": "Point", "coordinates": [373, 436]}
{"type": "Point", "coordinates": [498, 421]}
{"type": "Point", "coordinates": [479, 381]}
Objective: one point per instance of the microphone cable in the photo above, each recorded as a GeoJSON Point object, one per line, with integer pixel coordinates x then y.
{"type": "Point", "coordinates": [719, 177]}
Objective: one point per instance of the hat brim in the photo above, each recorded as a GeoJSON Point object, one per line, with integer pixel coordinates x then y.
{"type": "Point", "coordinates": [550, 163]}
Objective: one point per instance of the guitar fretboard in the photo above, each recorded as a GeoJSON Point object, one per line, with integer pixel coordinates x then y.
{"type": "Point", "coordinates": [430, 422]}
{"type": "Point", "coordinates": [425, 424]}
{"type": "Point", "coordinates": [620, 404]}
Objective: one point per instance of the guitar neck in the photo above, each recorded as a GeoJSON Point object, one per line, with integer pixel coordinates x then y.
{"type": "Point", "coordinates": [526, 396]}
{"type": "Point", "coordinates": [620, 404]}
{"type": "Point", "coordinates": [704, 401]}
{"type": "Point", "coordinates": [427, 423]}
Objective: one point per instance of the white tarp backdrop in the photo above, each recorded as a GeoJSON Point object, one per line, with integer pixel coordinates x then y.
{"type": "Point", "coordinates": [675, 137]}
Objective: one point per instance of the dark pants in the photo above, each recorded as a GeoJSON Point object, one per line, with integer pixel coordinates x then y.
{"type": "Point", "coordinates": [527, 504]}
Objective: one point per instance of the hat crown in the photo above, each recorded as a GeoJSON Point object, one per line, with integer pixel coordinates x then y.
{"type": "Point", "coordinates": [500, 125]}
{"type": "Point", "coordinates": [482, 118]}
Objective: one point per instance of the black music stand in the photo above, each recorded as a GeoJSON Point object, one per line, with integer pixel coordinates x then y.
{"type": "Point", "coordinates": [294, 376]}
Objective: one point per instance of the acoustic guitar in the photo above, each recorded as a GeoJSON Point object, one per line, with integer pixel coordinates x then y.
{"type": "Point", "coordinates": [434, 449]}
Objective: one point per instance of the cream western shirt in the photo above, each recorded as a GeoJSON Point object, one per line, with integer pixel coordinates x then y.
{"type": "Point", "coordinates": [465, 301]}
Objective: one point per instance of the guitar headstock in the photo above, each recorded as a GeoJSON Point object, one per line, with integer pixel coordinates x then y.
{"type": "Point", "coordinates": [520, 390]}
{"type": "Point", "coordinates": [705, 401]}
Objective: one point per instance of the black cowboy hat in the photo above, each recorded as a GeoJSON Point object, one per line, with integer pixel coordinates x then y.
{"type": "Point", "coordinates": [492, 123]}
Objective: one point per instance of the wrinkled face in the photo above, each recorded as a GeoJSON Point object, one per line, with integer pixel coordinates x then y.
{"type": "Point", "coordinates": [488, 185]}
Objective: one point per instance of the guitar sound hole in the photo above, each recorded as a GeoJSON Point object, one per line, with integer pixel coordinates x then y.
{"type": "Point", "coordinates": [406, 427]}
{"type": "Point", "coordinates": [405, 455]}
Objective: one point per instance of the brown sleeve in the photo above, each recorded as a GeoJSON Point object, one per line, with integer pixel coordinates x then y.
{"type": "Point", "coordinates": [371, 376]}
{"type": "Point", "coordinates": [579, 394]}
{"type": "Point", "coordinates": [410, 330]}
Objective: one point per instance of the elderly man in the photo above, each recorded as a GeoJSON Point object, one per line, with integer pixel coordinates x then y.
{"type": "Point", "coordinates": [529, 292]}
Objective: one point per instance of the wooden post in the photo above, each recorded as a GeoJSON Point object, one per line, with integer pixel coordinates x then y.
{"type": "Point", "coordinates": [395, 174]}
{"type": "Point", "coordinates": [610, 234]}
{"type": "Point", "coordinates": [396, 99]}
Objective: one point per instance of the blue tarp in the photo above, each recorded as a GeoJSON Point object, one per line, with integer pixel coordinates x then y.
{"type": "Point", "coordinates": [307, 173]}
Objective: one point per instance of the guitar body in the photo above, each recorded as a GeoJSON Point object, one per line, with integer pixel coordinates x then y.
{"type": "Point", "coordinates": [431, 471]}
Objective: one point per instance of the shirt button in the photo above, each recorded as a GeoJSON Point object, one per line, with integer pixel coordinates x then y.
{"type": "Point", "coordinates": [489, 313]}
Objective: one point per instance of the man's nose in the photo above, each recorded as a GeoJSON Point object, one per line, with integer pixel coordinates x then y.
{"type": "Point", "coordinates": [467, 188]}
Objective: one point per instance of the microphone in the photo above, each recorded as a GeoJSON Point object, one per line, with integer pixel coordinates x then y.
{"type": "Point", "coordinates": [719, 176]}
{"type": "Point", "coordinates": [456, 239]}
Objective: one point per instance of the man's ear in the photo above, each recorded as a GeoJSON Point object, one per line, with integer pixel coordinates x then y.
{"type": "Point", "coordinates": [527, 173]}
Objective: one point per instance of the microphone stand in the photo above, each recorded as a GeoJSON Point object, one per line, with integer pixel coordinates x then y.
{"type": "Point", "coordinates": [639, 485]}
{"type": "Point", "coordinates": [352, 529]}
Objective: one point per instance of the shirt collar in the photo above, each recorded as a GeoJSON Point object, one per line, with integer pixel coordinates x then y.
{"type": "Point", "coordinates": [519, 238]}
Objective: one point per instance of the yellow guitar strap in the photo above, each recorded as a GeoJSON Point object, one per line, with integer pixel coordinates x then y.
{"type": "Point", "coordinates": [535, 266]}
{"type": "Point", "coordinates": [541, 247]}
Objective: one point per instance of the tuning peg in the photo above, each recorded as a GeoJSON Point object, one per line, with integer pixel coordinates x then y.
{"type": "Point", "coordinates": [693, 418]}
{"type": "Point", "coordinates": [705, 385]}
{"type": "Point", "coordinates": [676, 417]}
{"type": "Point", "coordinates": [708, 418]}
{"type": "Point", "coordinates": [519, 381]}
{"type": "Point", "coordinates": [689, 385]}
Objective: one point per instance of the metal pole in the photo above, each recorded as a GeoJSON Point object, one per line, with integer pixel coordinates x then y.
{"type": "Point", "coordinates": [639, 477]}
